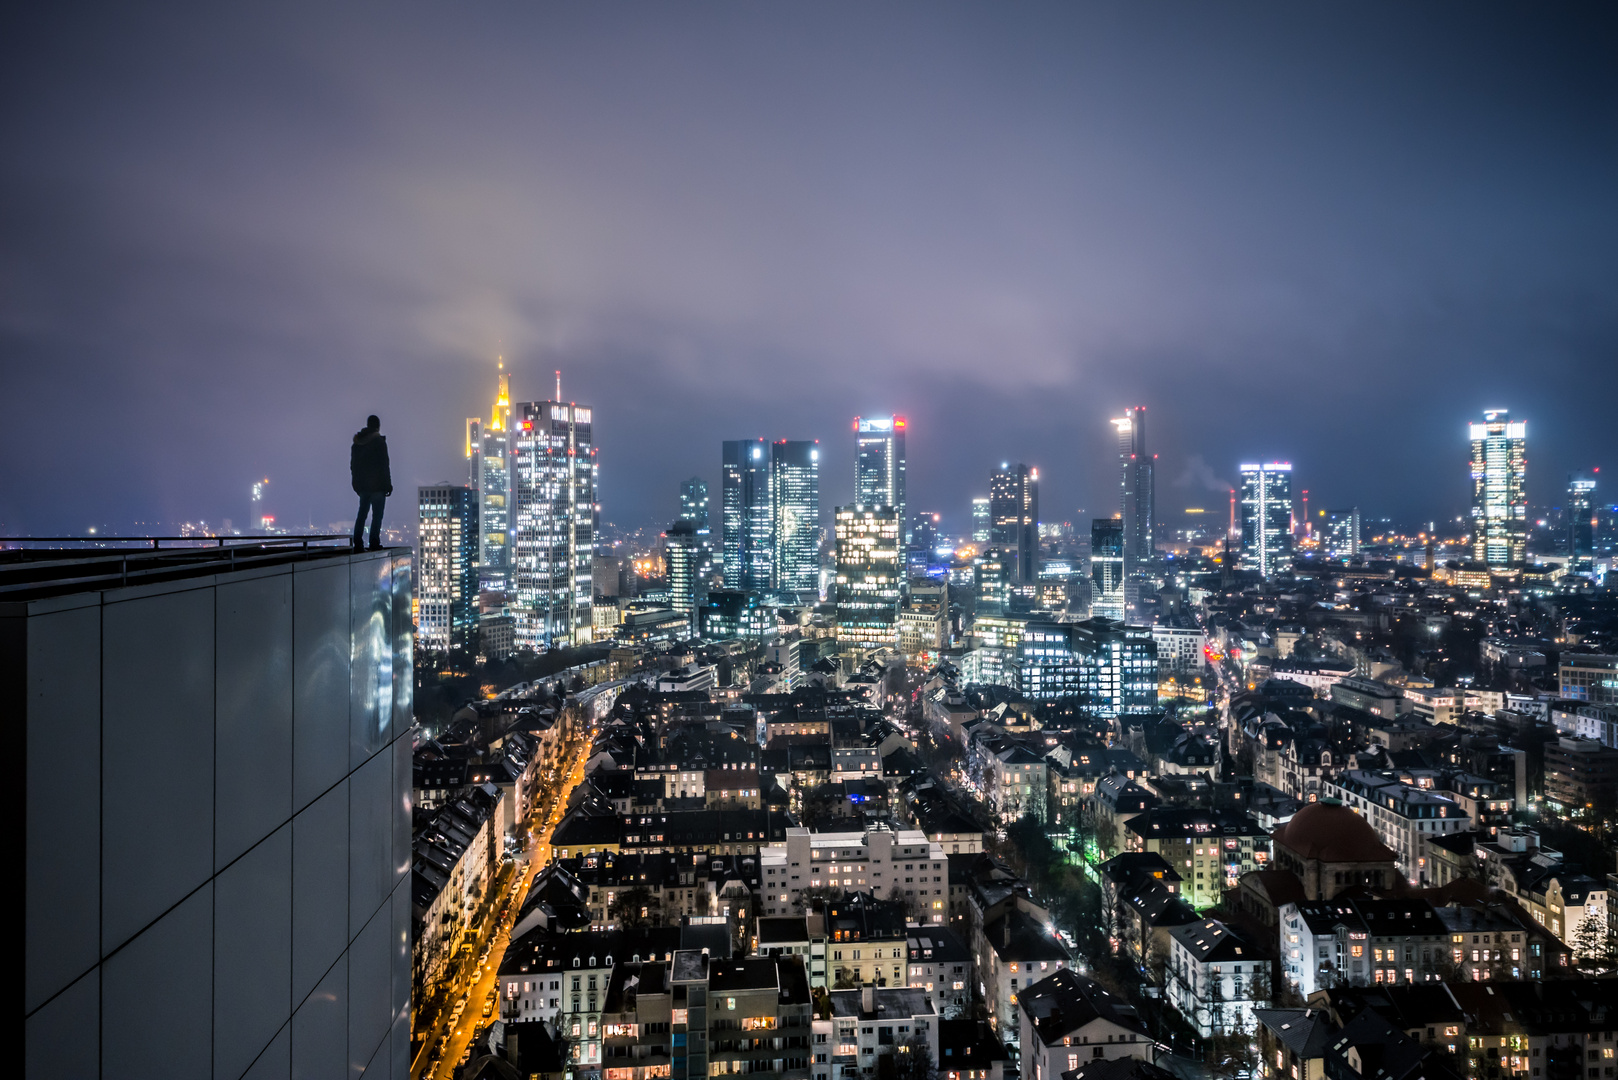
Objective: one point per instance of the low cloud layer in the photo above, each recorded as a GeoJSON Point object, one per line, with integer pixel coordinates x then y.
{"type": "Point", "coordinates": [1331, 237]}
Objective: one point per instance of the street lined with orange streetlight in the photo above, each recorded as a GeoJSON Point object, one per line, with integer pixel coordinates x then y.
{"type": "Point", "coordinates": [474, 986]}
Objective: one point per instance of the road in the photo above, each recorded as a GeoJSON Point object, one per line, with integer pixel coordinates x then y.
{"type": "Point", "coordinates": [473, 983]}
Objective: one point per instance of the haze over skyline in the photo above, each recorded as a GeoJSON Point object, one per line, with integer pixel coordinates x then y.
{"type": "Point", "coordinates": [1330, 237]}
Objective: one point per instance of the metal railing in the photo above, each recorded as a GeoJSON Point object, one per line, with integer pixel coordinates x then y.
{"type": "Point", "coordinates": [155, 543]}
{"type": "Point", "coordinates": [47, 565]}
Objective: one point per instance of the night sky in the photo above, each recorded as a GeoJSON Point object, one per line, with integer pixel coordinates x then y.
{"type": "Point", "coordinates": [1329, 234]}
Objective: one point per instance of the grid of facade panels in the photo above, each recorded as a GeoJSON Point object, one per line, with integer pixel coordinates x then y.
{"type": "Point", "coordinates": [218, 821]}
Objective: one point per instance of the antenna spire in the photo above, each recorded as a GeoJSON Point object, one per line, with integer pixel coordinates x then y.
{"type": "Point", "coordinates": [558, 386]}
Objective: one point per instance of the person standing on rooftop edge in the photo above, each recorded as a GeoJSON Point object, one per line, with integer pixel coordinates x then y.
{"type": "Point", "coordinates": [373, 482]}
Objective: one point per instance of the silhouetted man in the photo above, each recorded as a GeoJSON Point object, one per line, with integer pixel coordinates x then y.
{"type": "Point", "coordinates": [373, 482]}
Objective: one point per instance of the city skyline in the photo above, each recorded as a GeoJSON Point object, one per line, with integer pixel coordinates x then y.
{"type": "Point", "coordinates": [1223, 224]}
{"type": "Point", "coordinates": [781, 647]}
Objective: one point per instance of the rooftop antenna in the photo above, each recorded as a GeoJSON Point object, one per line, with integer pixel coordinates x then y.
{"type": "Point", "coordinates": [558, 386]}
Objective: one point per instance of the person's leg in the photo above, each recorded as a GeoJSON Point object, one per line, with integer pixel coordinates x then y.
{"type": "Point", "coordinates": [359, 522]}
{"type": "Point", "coordinates": [378, 500]}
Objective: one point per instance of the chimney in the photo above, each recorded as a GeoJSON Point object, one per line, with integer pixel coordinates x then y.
{"type": "Point", "coordinates": [1005, 932]}
{"type": "Point", "coordinates": [868, 999]}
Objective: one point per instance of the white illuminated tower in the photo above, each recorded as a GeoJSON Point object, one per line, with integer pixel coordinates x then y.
{"type": "Point", "coordinates": [879, 462]}
{"type": "Point", "coordinates": [553, 526]}
{"type": "Point", "coordinates": [1267, 517]}
{"type": "Point", "coordinates": [1499, 494]}
{"type": "Point", "coordinates": [446, 565]}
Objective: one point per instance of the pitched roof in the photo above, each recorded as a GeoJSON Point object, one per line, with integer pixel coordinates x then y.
{"type": "Point", "coordinates": [1067, 1001]}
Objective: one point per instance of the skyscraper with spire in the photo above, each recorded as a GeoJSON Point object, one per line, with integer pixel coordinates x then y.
{"type": "Point", "coordinates": [488, 455]}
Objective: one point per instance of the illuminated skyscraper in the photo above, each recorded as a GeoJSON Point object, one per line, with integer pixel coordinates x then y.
{"type": "Point", "coordinates": [447, 566]}
{"type": "Point", "coordinates": [748, 521]}
{"type": "Point", "coordinates": [869, 576]}
{"type": "Point", "coordinates": [488, 455]}
{"type": "Point", "coordinates": [553, 531]}
{"type": "Point", "coordinates": [694, 503]}
{"type": "Point", "coordinates": [683, 552]}
{"type": "Point", "coordinates": [1107, 568]}
{"type": "Point", "coordinates": [795, 513]}
{"type": "Point", "coordinates": [1340, 533]}
{"type": "Point", "coordinates": [1014, 519]}
{"type": "Point", "coordinates": [1499, 496]}
{"type": "Point", "coordinates": [1581, 519]}
{"type": "Point", "coordinates": [924, 530]}
{"type": "Point", "coordinates": [1137, 496]}
{"type": "Point", "coordinates": [879, 462]}
{"type": "Point", "coordinates": [694, 508]}
{"type": "Point", "coordinates": [1267, 517]}
{"type": "Point", "coordinates": [981, 525]}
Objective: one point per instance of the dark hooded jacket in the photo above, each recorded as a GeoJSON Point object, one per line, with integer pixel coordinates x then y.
{"type": "Point", "coordinates": [368, 463]}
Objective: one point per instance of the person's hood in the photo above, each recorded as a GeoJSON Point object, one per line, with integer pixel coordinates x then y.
{"type": "Point", "coordinates": [366, 435]}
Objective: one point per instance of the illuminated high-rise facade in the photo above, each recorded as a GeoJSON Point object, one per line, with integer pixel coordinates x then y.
{"type": "Point", "coordinates": [1107, 568]}
{"type": "Point", "coordinates": [1340, 533]}
{"type": "Point", "coordinates": [869, 577]}
{"type": "Point", "coordinates": [795, 513]}
{"type": "Point", "coordinates": [1581, 520]}
{"type": "Point", "coordinates": [1014, 519]}
{"type": "Point", "coordinates": [694, 508]}
{"type": "Point", "coordinates": [981, 525]}
{"type": "Point", "coordinates": [488, 455]}
{"type": "Point", "coordinates": [1499, 495]}
{"type": "Point", "coordinates": [879, 462]}
{"type": "Point", "coordinates": [748, 520]}
{"type": "Point", "coordinates": [1136, 504]}
{"type": "Point", "coordinates": [447, 538]}
{"type": "Point", "coordinates": [694, 503]}
{"type": "Point", "coordinates": [1267, 517]}
{"type": "Point", "coordinates": [682, 554]}
{"type": "Point", "coordinates": [553, 526]}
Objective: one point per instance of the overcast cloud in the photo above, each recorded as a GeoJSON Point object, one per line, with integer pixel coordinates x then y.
{"type": "Point", "coordinates": [1329, 235]}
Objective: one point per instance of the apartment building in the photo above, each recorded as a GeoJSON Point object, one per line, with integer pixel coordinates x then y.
{"type": "Point", "coordinates": [893, 865]}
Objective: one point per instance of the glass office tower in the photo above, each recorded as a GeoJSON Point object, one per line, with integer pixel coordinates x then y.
{"type": "Point", "coordinates": [879, 462]}
{"type": "Point", "coordinates": [869, 577]}
{"type": "Point", "coordinates": [694, 503]}
{"type": "Point", "coordinates": [1499, 493]}
{"type": "Point", "coordinates": [1107, 568]}
{"type": "Point", "coordinates": [216, 826]}
{"type": "Point", "coordinates": [553, 527]}
{"type": "Point", "coordinates": [694, 508]}
{"type": "Point", "coordinates": [1266, 508]}
{"type": "Point", "coordinates": [981, 520]}
{"type": "Point", "coordinates": [1137, 495]}
{"type": "Point", "coordinates": [1340, 533]}
{"type": "Point", "coordinates": [1014, 519]}
{"type": "Point", "coordinates": [795, 510]}
{"type": "Point", "coordinates": [682, 551]}
{"type": "Point", "coordinates": [1581, 520]}
{"type": "Point", "coordinates": [748, 517]}
{"type": "Point", "coordinates": [447, 539]}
